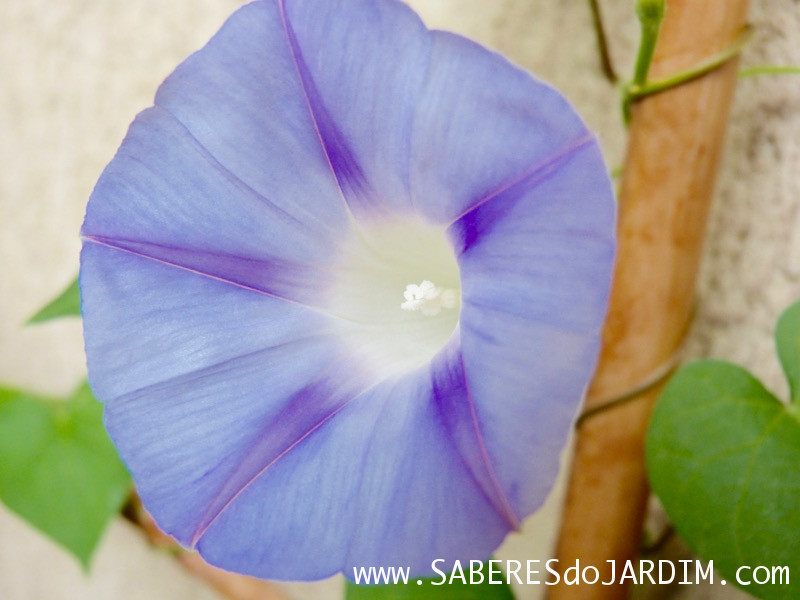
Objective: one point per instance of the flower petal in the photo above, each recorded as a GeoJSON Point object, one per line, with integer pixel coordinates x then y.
{"type": "Point", "coordinates": [481, 124]}
{"type": "Point", "coordinates": [146, 322]}
{"type": "Point", "coordinates": [241, 98]}
{"type": "Point", "coordinates": [363, 65]}
{"type": "Point", "coordinates": [192, 393]}
{"type": "Point", "coordinates": [207, 396]}
{"type": "Point", "coordinates": [244, 437]}
{"type": "Point", "coordinates": [262, 429]}
{"type": "Point", "coordinates": [536, 266]}
{"type": "Point", "coordinates": [163, 196]}
{"type": "Point", "coordinates": [380, 484]}
{"type": "Point", "coordinates": [392, 99]}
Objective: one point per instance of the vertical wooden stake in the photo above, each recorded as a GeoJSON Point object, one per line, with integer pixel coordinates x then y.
{"type": "Point", "coordinates": [675, 144]}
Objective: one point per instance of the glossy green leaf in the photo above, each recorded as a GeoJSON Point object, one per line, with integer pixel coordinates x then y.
{"type": "Point", "coordinates": [58, 469]}
{"type": "Point", "coordinates": [478, 584]}
{"type": "Point", "coordinates": [723, 455]}
{"type": "Point", "coordinates": [66, 304]}
{"type": "Point", "coordinates": [787, 337]}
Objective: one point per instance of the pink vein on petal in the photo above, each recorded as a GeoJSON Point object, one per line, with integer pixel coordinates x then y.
{"type": "Point", "coordinates": [208, 521]}
{"type": "Point", "coordinates": [109, 243]}
{"type": "Point", "coordinates": [294, 51]}
{"type": "Point", "coordinates": [540, 169]}
{"type": "Point", "coordinates": [506, 510]}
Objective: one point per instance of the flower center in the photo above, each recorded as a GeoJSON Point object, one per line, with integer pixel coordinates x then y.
{"type": "Point", "coordinates": [428, 298]}
{"type": "Point", "coordinates": [393, 324]}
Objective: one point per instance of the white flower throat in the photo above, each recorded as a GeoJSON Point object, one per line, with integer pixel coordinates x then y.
{"type": "Point", "coordinates": [397, 291]}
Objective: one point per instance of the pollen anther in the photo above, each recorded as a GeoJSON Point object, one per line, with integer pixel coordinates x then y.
{"type": "Point", "coordinates": [428, 298]}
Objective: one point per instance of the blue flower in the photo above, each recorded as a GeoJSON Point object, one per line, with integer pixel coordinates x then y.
{"type": "Point", "coordinates": [342, 291]}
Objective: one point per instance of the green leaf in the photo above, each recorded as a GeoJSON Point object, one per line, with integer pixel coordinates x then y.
{"type": "Point", "coordinates": [787, 337]}
{"type": "Point", "coordinates": [440, 588]}
{"type": "Point", "coordinates": [723, 455]}
{"type": "Point", "coordinates": [67, 304]}
{"type": "Point", "coordinates": [58, 469]}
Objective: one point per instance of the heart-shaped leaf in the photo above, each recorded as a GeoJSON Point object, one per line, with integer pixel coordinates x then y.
{"type": "Point", "coordinates": [787, 337]}
{"type": "Point", "coordinates": [58, 469]}
{"type": "Point", "coordinates": [723, 455]}
{"type": "Point", "coordinates": [66, 304]}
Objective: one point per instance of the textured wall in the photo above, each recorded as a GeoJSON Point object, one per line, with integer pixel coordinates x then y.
{"type": "Point", "coordinates": [73, 73]}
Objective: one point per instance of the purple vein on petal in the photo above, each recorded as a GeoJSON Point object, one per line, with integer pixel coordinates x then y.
{"type": "Point", "coordinates": [210, 517]}
{"type": "Point", "coordinates": [205, 371]}
{"type": "Point", "coordinates": [508, 311]}
{"type": "Point", "coordinates": [138, 249]}
{"type": "Point", "coordinates": [457, 408]}
{"type": "Point", "coordinates": [346, 171]}
{"type": "Point", "coordinates": [302, 403]}
{"type": "Point", "coordinates": [225, 171]}
{"type": "Point", "coordinates": [507, 510]}
{"type": "Point", "coordinates": [363, 472]}
{"type": "Point", "coordinates": [532, 176]}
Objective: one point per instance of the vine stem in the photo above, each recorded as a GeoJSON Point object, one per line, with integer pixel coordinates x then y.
{"type": "Point", "coordinates": [650, 14]}
{"type": "Point", "coordinates": [602, 42]}
{"type": "Point", "coordinates": [648, 88]}
{"type": "Point", "coordinates": [676, 138]}
{"type": "Point", "coordinates": [769, 70]}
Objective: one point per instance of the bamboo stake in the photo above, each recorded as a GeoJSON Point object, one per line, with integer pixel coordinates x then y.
{"type": "Point", "coordinates": [675, 144]}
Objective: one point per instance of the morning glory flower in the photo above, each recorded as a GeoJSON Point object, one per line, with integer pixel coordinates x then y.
{"type": "Point", "coordinates": [342, 290]}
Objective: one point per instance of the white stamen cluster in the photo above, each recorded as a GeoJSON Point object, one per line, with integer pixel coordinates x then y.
{"type": "Point", "coordinates": [428, 298]}
{"type": "Point", "coordinates": [373, 266]}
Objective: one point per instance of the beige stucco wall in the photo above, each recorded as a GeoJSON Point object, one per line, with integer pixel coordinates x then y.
{"type": "Point", "coordinates": [73, 73]}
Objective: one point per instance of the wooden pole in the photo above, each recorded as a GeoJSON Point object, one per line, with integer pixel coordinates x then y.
{"type": "Point", "coordinates": [676, 139]}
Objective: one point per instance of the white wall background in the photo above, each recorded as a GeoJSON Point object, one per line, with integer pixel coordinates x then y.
{"type": "Point", "coordinates": [73, 73]}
